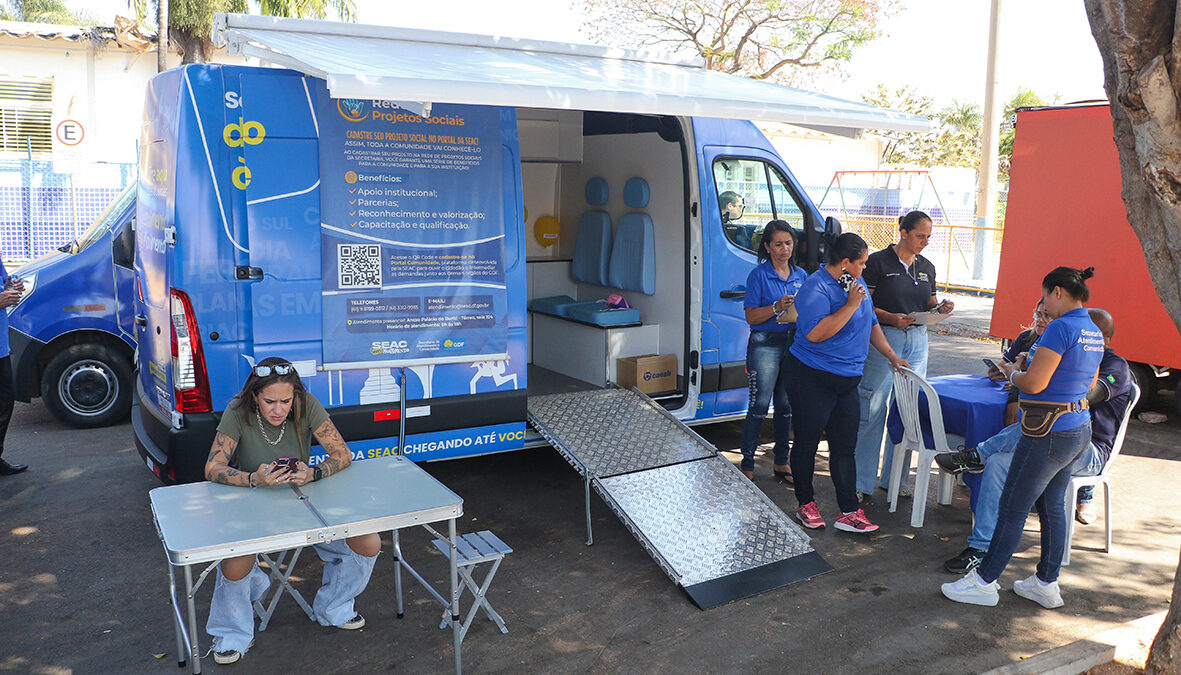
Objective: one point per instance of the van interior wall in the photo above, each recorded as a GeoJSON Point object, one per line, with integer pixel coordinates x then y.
{"type": "Point", "coordinates": [616, 158]}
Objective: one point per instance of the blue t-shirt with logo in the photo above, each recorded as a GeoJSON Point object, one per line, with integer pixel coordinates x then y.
{"type": "Point", "coordinates": [844, 353]}
{"type": "Point", "coordinates": [764, 286]}
{"type": "Point", "coordinates": [1080, 344]}
{"type": "Point", "coordinates": [5, 350]}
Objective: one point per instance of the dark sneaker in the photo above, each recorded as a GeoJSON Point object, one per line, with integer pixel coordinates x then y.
{"type": "Point", "coordinates": [809, 515]}
{"type": "Point", "coordinates": [965, 562]}
{"type": "Point", "coordinates": [855, 522]}
{"type": "Point", "coordinates": [354, 623]}
{"type": "Point", "coordinates": [227, 657]}
{"type": "Point", "coordinates": [961, 461]}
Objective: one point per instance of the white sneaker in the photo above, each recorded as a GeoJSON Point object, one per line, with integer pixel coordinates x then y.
{"type": "Point", "coordinates": [972, 590]}
{"type": "Point", "coordinates": [1046, 595]}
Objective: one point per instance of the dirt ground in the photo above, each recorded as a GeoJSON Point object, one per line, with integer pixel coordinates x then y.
{"type": "Point", "coordinates": [84, 583]}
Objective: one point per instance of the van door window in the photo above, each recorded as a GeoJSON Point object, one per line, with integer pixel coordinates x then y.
{"type": "Point", "coordinates": [123, 245]}
{"type": "Point", "coordinates": [750, 193]}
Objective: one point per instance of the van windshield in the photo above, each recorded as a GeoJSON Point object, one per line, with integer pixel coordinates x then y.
{"type": "Point", "coordinates": [103, 222]}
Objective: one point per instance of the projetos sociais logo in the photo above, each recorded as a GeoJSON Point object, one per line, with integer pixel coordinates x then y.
{"type": "Point", "coordinates": [353, 109]}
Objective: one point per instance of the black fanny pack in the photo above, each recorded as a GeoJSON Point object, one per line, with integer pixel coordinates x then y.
{"type": "Point", "coordinates": [1038, 417]}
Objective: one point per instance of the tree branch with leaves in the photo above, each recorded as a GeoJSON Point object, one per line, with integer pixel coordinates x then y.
{"type": "Point", "coordinates": [762, 39]}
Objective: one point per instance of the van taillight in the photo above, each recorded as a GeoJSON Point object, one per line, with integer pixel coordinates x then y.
{"type": "Point", "coordinates": [190, 380]}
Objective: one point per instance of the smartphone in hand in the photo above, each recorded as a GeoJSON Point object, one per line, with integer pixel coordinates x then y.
{"type": "Point", "coordinates": [286, 464]}
{"type": "Point", "coordinates": [991, 364]}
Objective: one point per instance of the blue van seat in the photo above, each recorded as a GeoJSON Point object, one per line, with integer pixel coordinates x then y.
{"type": "Point", "coordinates": [592, 247]}
{"type": "Point", "coordinates": [599, 314]}
{"type": "Point", "coordinates": [554, 304]}
{"type": "Point", "coordinates": [633, 253]}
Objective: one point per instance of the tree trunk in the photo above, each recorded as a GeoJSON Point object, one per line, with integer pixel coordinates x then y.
{"type": "Point", "coordinates": [192, 47]}
{"type": "Point", "coordinates": [1140, 43]}
{"type": "Point", "coordinates": [1139, 47]}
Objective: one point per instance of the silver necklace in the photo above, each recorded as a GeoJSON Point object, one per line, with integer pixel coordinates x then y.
{"type": "Point", "coordinates": [263, 431]}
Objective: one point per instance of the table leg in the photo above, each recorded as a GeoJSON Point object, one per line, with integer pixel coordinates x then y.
{"type": "Point", "coordinates": [398, 572]}
{"type": "Point", "coordinates": [455, 623]}
{"type": "Point", "coordinates": [194, 654]}
{"type": "Point", "coordinates": [177, 623]}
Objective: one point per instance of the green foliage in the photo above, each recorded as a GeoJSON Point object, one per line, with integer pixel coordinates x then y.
{"type": "Point", "coordinates": [1024, 98]}
{"type": "Point", "coordinates": [40, 11]}
{"type": "Point", "coordinates": [190, 22]}
{"type": "Point", "coordinates": [762, 39]}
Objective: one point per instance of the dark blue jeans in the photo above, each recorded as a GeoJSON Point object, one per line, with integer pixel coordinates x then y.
{"type": "Point", "coordinates": [767, 375]}
{"type": "Point", "coordinates": [829, 404]}
{"type": "Point", "coordinates": [1039, 474]}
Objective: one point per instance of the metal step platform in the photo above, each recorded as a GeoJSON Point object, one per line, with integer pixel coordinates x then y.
{"type": "Point", "coordinates": [709, 528]}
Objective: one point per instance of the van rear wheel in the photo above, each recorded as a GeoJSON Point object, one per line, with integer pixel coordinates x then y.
{"type": "Point", "coordinates": [1144, 378]}
{"type": "Point", "coordinates": [88, 385]}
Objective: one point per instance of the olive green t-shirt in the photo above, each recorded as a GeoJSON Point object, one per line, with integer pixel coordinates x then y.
{"type": "Point", "coordinates": [254, 450]}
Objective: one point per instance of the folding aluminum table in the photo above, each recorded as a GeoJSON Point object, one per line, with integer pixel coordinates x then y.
{"type": "Point", "coordinates": [207, 522]}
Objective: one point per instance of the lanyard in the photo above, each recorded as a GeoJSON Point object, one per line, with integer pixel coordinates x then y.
{"type": "Point", "coordinates": [911, 271]}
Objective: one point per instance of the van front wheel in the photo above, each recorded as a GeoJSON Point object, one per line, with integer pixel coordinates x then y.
{"type": "Point", "coordinates": [88, 385]}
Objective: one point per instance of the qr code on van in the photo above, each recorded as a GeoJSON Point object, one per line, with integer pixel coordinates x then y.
{"type": "Point", "coordinates": [359, 265]}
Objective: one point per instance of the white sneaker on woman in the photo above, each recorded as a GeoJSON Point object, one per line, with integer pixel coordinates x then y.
{"type": "Point", "coordinates": [1046, 595]}
{"type": "Point", "coordinates": [972, 590]}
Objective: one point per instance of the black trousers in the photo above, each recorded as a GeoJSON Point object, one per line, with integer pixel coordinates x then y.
{"type": "Point", "coordinates": [823, 402]}
{"type": "Point", "coordinates": [7, 389]}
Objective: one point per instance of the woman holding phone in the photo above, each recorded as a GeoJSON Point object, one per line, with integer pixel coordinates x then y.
{"type": "Point", "coordinates": [1055, 430]}
{"type": "Point", "coordinates": [264, 440]}
{"type": "Point", "coordinates": [835, 329]}
{"type": "Point", "coordinates": [770, 293]}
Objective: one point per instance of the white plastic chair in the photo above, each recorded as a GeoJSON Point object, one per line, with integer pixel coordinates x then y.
{"type": "Point", "coordinates": [907, 386]}
{"type": "Point", "coordinates": [1104, 477]}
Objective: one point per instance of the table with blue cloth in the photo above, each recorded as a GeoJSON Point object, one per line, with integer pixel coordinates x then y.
{"type": "Point", "coordinates": [973, 406]}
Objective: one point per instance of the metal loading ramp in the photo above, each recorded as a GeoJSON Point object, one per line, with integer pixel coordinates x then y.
{"type": "Point", "coordinates": [709, 528]}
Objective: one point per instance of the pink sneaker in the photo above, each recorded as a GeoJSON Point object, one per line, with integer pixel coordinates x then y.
{"type": "Point", "coordinates": [809, 516]}
{"type": "Point", "coordinates": [855, 522]}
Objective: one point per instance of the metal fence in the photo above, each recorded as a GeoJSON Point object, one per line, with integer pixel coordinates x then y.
{"type": "Point", "coordinates": [41, 209]}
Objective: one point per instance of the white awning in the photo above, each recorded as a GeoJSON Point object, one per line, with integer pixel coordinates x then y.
{"type": "Point", "coordinates": [399, 64]}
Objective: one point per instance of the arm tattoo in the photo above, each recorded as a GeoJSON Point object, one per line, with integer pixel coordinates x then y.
{"type": "Point", "coordinates": [333, 443]}
{"type": "Point", "coordinates": [217, 466]}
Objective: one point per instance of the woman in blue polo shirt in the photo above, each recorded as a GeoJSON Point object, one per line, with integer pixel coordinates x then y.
{"type": "Point", "coordinates": [770, 291]}
{"type": "Point", "coordinates": [835, 328]}
{"type": "Point", "coordinates": [1063, 370]}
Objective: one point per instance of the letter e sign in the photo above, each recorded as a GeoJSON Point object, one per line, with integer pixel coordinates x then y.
{"type": "Point", "coordinates": [69, 132]}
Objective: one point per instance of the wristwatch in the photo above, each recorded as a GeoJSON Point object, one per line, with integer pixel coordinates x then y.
{"type": "Point", "coordinates": [317, 474]}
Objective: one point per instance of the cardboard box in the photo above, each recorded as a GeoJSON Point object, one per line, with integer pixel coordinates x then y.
{"type": "Point", "coordinates": [651, 373]}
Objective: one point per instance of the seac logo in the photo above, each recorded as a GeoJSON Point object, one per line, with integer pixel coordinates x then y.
{"type": "Point", "coordinates": [378, 347]}
{"type": "Point", "coordinates": [353, 109]}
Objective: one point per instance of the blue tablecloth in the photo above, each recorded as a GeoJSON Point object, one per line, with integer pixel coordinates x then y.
{"type": "Point", "coordinates": [973, 407]}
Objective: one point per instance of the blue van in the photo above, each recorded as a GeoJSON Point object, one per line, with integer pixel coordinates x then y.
{"type": "Point", "coordinates": [461, 240]}
{"type": "Point", "coordinates": [72, 333]}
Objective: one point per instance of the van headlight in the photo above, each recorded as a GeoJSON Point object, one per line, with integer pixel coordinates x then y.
{"type": "Point", "coordinates": [30, 282]}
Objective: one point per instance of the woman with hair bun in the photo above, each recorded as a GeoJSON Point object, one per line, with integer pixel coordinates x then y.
{"type": "Point", "coordinates": [834, 329]}
{"type": "Point", "coordinates": [900, 281]}
{"type": "Point", "coordinates": [1055, 429]}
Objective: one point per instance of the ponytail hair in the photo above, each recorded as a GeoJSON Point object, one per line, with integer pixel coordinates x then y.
{"type": "Point", "coordinates": [1071, 280]}
{"type": "Point", "coordinates": [849, 246]}
{"type": "Point", "coordinates": [912, 219]}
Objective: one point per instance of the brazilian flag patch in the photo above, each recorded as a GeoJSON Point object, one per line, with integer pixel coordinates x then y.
{"type": "Point", "coordinates": [1111, 379]}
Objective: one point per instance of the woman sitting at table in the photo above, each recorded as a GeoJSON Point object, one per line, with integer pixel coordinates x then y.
{"type": "Point", "coordinates": [770, 291]}
{"type": "Point", "coordinates": [1020, 352]}
{"type": "Point", "coordinates": [1055, 430]}
{"type": "Point", "coordinates": [272, 417]}
{"type": "Point", "coordinates": [834, 329]}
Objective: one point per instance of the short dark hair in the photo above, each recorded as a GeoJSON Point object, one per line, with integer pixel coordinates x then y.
{"type": "Point", "coordinates": [778, 226]}
{"type": "Point", "coordinates": [728, 197]}
{"type": "Point", "coordinates": [1071, 280]}
{"type": "Point", "coordinates": [848, 245]}
{"type": "Point", "coordinates": [912, 219]}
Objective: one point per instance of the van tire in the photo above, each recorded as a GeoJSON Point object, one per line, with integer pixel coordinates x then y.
{"type": "Point", "coordinates": [88, 385]}
{"type": "Point", "coordinates": [1144, 378]}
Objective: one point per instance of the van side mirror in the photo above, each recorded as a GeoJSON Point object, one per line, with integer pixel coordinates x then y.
{"type": "Point", "coordinates": [123, 245]}
{"type": "Point", "coordinates": [832, 228]}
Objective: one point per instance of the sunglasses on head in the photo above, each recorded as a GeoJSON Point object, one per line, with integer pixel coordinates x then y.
{"type": "Point", "coordinates": [278, 369]}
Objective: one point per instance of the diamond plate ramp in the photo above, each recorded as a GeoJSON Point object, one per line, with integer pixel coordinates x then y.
{"type": "Point", "coordinates": [709, 528]}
